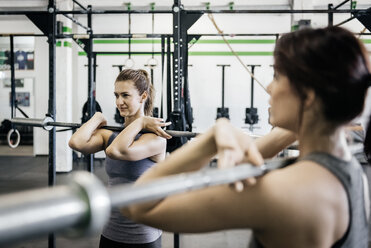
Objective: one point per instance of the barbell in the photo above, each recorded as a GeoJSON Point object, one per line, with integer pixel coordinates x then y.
{"type": "Point", "coordinates": [48, 123]}
{"type": "Point", "coordinates": [83, 205]}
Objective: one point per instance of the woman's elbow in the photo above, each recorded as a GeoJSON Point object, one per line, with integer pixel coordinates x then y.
{"type": "Point", "coordinates": [117, 154]}
{"type": "Point", "coordinates": [77, 146]}
{"type": "Point", "coordinates": [134, 213]}
{"type": "Point", "coordinates": [72, 144]}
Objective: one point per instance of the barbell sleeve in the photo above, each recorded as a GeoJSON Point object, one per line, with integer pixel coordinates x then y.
{"type": "Point", "coordinates": [27, 122]}
{"type": "Point", "coordinates": [81, 208]}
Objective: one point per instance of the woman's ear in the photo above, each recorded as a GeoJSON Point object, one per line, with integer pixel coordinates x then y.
{"type": "Point", "coordinates": [144, 96]}
{"type": "Point", "coordinates": [310, 99]}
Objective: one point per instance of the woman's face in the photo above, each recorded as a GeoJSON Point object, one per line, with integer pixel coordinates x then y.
{"type": "Point", "coordinates": [285, 103]}
{"type": "Point", "coordinates": [128, 100]}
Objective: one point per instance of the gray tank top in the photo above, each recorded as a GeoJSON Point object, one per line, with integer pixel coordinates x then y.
{"type": "Point", "coordinates": [350, 174]}
{"type": "Point", "coordinates": [120, 228]}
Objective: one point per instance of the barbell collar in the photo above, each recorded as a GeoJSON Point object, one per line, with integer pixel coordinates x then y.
{"type": "Point", "coordinates": [94, 193]}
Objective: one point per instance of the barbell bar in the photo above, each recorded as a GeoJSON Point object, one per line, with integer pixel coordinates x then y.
{"type": "Point", "coordinates": [82, 207]}
{"type": "Point", "coordinates": [48, 123]}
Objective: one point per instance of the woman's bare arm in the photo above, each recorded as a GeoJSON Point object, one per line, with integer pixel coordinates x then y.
{"type": "Point", "coordinates": [274, 142]}
{"type": "Point", "coordinates": [125, 147]}
{"type": "Point", "coordinates": [89, 138]}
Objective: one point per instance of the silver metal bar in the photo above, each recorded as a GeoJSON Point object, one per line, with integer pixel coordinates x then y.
{"type": "Point", "coordinates": [125, 195]}
{"type": "Point", "coordinates": [28, 122]}
{"type": "Point", "coordinates": [48, 123]}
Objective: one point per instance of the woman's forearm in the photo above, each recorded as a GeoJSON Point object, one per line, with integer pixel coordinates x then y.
{"type": "Point", "coordinates": [121, 144]}
{"type": "Point", "coordinates": [190, 157]}
{"type": "Point", "coordinates": [274, 142]}
{"type": "Point", "coordinates": [83, 135]}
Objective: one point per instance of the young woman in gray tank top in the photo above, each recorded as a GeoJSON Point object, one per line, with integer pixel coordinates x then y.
{"type": "Point", "coordinates": [129, 153]}
{"type": "Point", "coordinates": [319, 200]}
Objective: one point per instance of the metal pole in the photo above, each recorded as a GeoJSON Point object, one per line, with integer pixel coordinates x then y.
{"type": "Point", "coordinates": [52, 103]}
{"type": "Point", "coordinates": [12, 77]}
{"type": "Point", "coordinates": [330, 15]}
{"type": "Point", "coordinates": [223, 67]}
{"type": "Point", "coordinates": [168, 77]}
{"type": "Point", "coordinates": [162, 75]}
{"type": "Point", "coordinates": [252, 86]}
{"type": "Point", "coordinates": [104, 36]}
{"type": "Point", "coordinates": [91, 83]}
{"type": "Point", "coordinates": [177, 57]}
{"type": "Point", "coordinates": [250, 11]}
{"type": "Point", "coordinates": [223, 83]}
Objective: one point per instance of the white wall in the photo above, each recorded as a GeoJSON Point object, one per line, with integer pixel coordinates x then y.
{"type": "Point", "coordinates": [39, 90]}
{"type": "Point", "coordinates": [204, 76]}
{"type": "Point", "coordinates": [205, 88]}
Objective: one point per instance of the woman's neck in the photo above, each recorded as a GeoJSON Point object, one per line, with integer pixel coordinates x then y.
{"type": "Point", "coordinates": [130, 119]}
{"type": "Point", "coordinates": [316, 139]}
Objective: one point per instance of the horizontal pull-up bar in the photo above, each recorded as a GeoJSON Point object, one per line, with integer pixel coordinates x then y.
{"type": "Point", "coordinates": [246, 11]}
{"type": "Point", "coordinates": [102, 36]}
{"type": "Point", "coordinates": [139, 36]}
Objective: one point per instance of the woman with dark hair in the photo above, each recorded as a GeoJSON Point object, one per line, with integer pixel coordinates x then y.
{"type": "Point", "coordinates": [129, 153]}
{"type": "Point", "coordinates": [319, 199]}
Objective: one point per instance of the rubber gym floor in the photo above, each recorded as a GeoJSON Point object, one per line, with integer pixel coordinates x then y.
{"type": "Point", "coordinates": [19, 170]}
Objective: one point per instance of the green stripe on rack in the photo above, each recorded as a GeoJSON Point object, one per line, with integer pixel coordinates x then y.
{"type": "Point", "coordinates": [253, 53]}
{"type": "Point", "coordinates": [158, 41]}
{"type": "Point", "coordinates": [67, 30]}
{"type": "Point", "coordinates": [67, 44]}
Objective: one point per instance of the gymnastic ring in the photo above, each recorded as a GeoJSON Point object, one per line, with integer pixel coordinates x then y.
{"type": "Point", "coordinates": [11, 131]}
{"type": "Point", "coordinates": [129, 63]}
{"type": "Point", "coordinates": [152, 63]}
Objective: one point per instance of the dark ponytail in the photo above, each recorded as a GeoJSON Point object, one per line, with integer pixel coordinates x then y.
{"type": "Point", "coordinates": [148, 106]}
{"type": "Point", "coordinates": [143, 84]}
